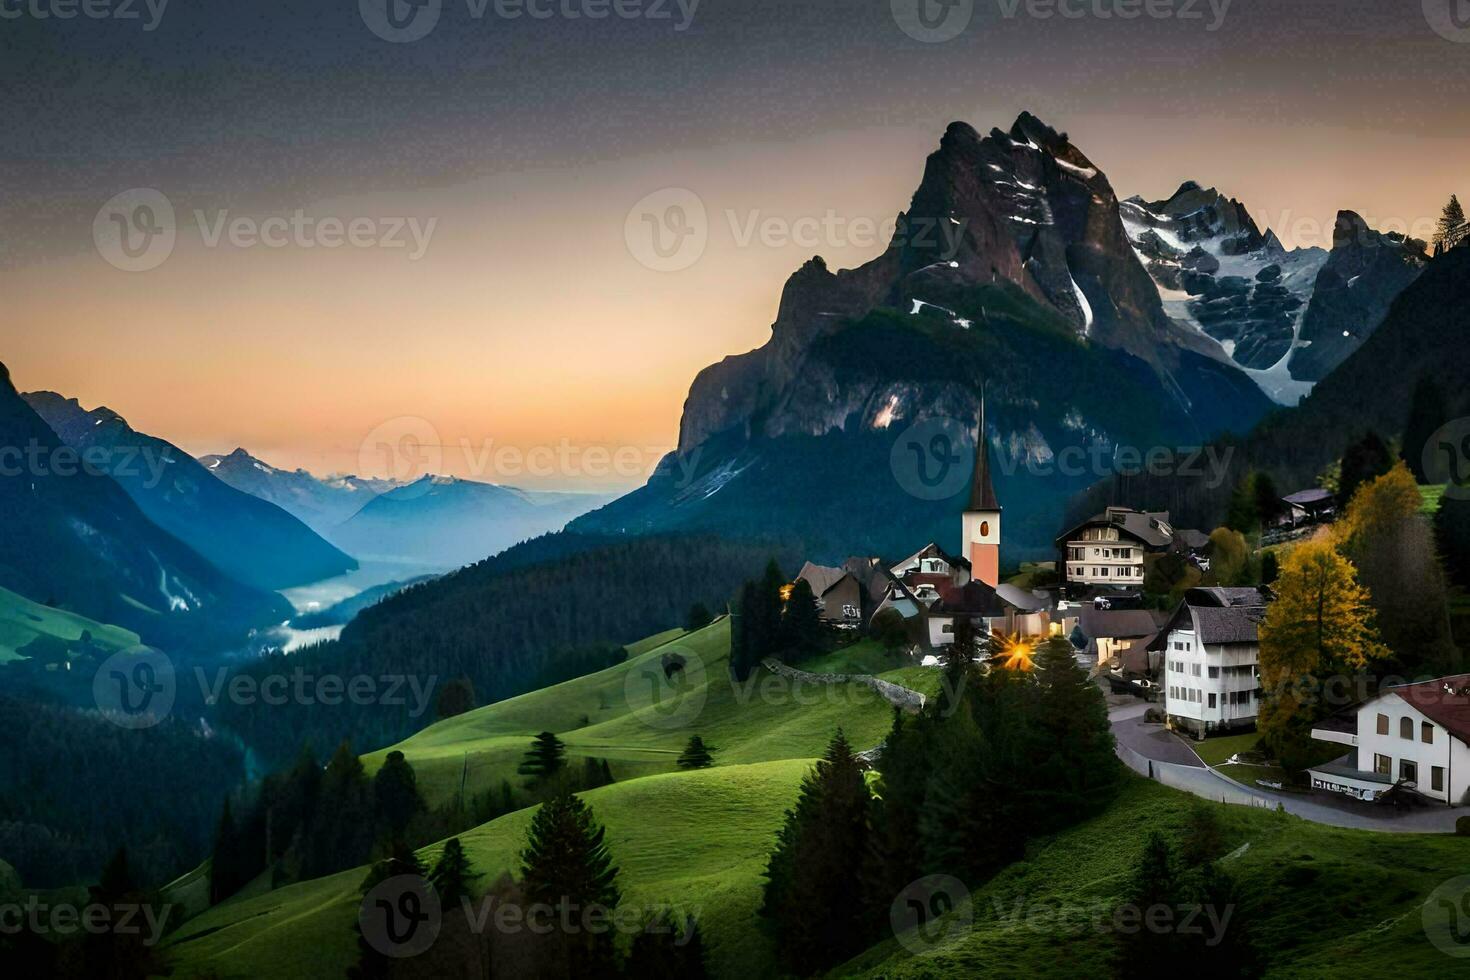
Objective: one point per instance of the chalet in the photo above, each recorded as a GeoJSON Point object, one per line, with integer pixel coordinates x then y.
{"type": "Point", "coordinates": [1211, 654]}
{"type": "Point", "coordinates": [1117, 635]}
{"type": "Point", "coordinates": [1312, 506]}
{"type": "Point", "coordinates": [839, 594]}
{"type": "Point", "coordinates": [1413, 737]}
{"type": "Point", "coordinates": [1109, 550]}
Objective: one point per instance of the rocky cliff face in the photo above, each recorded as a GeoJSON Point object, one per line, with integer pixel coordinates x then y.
{"type": "Point", "coordinates": [1365, 273]}
{"type": "Point", "coordinates": [1024, 207]}
{"type": "Point", "coordinates": [1012, 269]}
{"type": "Point", "coordinates": [1218, 272]}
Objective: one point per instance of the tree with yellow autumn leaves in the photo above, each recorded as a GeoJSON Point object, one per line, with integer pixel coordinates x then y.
{"type": "Point", "coordinates": [1320, 625]}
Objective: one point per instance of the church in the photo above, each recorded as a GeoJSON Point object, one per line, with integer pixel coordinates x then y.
{"type": "Point", "coordinates": [935, 587]}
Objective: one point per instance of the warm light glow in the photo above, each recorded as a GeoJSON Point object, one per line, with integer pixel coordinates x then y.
{"type": "Point", "coordinates": [1013, 652]}
{"type": "Point", "coordinates": [786, 591]}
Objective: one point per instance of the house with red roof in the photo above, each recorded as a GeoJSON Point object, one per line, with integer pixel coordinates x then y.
{"type": "Point", "coordinates": [1410, 737]}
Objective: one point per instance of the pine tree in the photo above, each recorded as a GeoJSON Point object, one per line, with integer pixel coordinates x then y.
{"type": "Point", "coordinates": [1452, 533]}
{"type": "Point", "coordinates": [1269, 505]}
{"type": "Point", "coordinates": [456, 698]}
{"type": "Point", "coordinates": [666, 949]}
{"type": "Point", "coordinates": [1270, 567]}
{"type": "Point", "coordinates": [453, 876]}
{"type": "Point", "coordinates": [1364, 460]}
{"type": "Point", "coordinates": [744, 655]}
{"type": "Point", "coordinates": [1428, 410]}
{"type": "Point", "coordinates": [1451, 229]}
{"type": "Point", "coordinates": [801, 621]}
{"type": "Point", "coordinates": [814, 877]}
{"type": "Point", "coordinates": [396, 794]}
{"type": "Point", "coordinates": [1077, 770]}
{"type": "Point", "coordinates": [545, 758]}
{"type": "Point", "coordinates": [566, 866]}
{"type": "Point", "coordinates": [340, 830]}
{"type": "Point", "coordinates": [1244, 514]}
{"type": "Point", "coordinates": [696, 755]}
{"type": "Point", "coordinates": [1151, 952]}
{"type": "Point", "coordinates": [699, 617]}
{"type": "Point", "coordinates": [225, 876]}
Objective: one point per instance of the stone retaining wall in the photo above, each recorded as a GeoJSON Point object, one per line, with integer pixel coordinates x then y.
{"type": "Point", "coordinates": [894, 694]}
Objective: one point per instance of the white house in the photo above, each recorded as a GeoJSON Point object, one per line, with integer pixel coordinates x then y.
{"type": "Point", "coordinates": [1413, 735]}
{"type": "Point", "coordinates": [1108, 549]}
{"type": "Point", "coordinates": [1211, 653]}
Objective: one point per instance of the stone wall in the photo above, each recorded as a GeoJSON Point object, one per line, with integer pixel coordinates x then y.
{"type": "Point", "coordinates": [894, 694]}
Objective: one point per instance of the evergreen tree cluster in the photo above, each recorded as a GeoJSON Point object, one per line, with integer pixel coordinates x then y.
{"type": "Point", "coordinates": [312, 821]}
{"type": "Point", "coordinates": [1011, 756]}
{"type": "Point", "coordinates": [74, 787]}
{"type": "Point", "coordinates": [774, 618]}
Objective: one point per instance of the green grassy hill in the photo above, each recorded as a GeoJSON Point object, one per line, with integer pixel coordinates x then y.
{"type": "Point", "coordinates": [704, 853]}
{"type": "Point", "coordinates": [600, 715]}
{"type": "Point", "coordinates": [22, 621]}
{"type": "Point", "coordinates": [1323, 901]}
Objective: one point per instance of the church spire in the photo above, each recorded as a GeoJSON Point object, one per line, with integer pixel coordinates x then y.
{"type": "Point", "coordinates": [982, 492]}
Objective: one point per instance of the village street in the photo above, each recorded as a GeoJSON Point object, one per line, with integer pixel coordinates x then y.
{"type": "Point", "coordinates": [1173, 762]}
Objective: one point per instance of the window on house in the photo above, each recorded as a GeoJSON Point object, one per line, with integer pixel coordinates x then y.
{"type": "Point", "coordinates": [1214, 671]}
{"type": "Point", "coordinates": [1382, 764]}
{"type": "Point", "coordinates": [1212, 700]}
{"type": "Point", "coordinates": [1383, 724]}
{"type": "Point", "coordinates": [1194, 669]}
{"type": "Point", "coordinates": [1426, 733]}
{"type": "Point", "coordinates": [1436, 779]}
{"type": "Point", "coordinates": [1406, 728]}
{"type": "Point", "coordinates": [1408, 771]}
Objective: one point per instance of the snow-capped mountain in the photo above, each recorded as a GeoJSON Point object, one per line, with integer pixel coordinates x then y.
{"type": "Point", "coordinates": [1219, 273]}
{"type": "Point", "coordinates": [321, 503]}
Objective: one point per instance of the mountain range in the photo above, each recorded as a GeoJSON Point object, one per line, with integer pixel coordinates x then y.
{"type": "Point", "coordinates": [321, 503]}
{"type": "Point", "coordinates": [249, 539]}
{"type": "Point", "coordinates": [75, 538]}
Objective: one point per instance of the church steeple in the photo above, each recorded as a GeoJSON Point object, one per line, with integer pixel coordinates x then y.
{"type": "Point", "coordinates": [982, 492]}
{"type": "Point", "coordinates": [981, 522]}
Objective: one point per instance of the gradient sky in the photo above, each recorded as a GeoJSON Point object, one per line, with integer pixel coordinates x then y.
{"type": "Point", "coordinates": [527, 321]}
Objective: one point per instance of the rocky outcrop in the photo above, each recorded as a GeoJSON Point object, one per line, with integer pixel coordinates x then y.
{"type": "Point", "coordinates": [1022, 206]}
{"type": "Point", "coordinates": [1365, 273]}
{"type": "Point", "coordinates": [1218, 272]}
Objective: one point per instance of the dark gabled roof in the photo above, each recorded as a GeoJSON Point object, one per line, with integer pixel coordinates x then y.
{"type": "Point", "coordinates": [1218, 615]}
{"type": "Point", "coordinates": [1234, 624]}
{"type": "Point", "coordinates": [974, 599]}
{"type": "Point", "coordinates": [982, 492]}
{"type": "Point", "coordinates": [1307, 497]}
{"type": "Point", "coordinates": [1444, 701]}
{"type": "Point", "coordinates": [1023, 600]}
{"type": "Point", "coordinates": [1117, 623]}
{"type": "Point", "coordinates": [821, 578]}
{"type": "Point", "coordinates": [1139, 525]}
{"type": "Point", "coordinates": [1193, 540]}
{"type": "Point", "coordinates": [934, 549]}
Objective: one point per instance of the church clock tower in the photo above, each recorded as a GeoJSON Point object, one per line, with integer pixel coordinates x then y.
{"type": "Point", "coordinates": [981, 523]}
